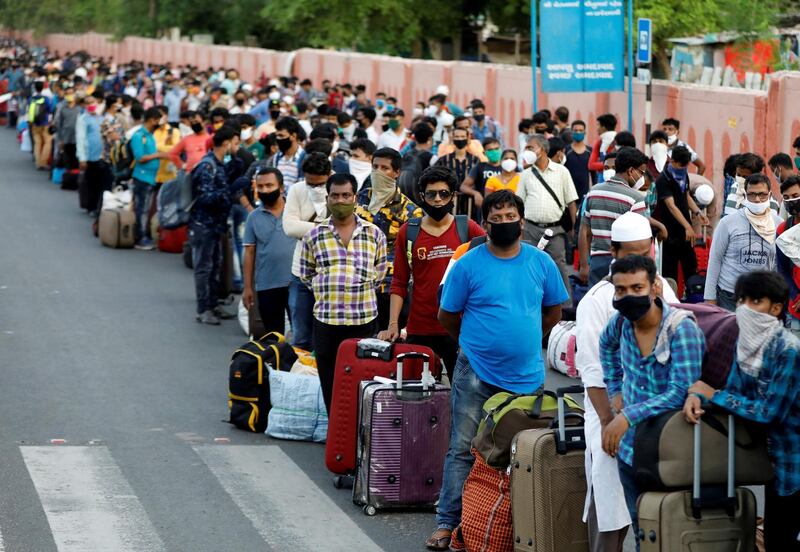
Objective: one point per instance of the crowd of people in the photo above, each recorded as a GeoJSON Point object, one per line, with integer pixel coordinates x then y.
{"type": "Point", "coordinates": [346, 211]}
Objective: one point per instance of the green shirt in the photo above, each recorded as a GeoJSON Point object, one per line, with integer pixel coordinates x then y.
{"type": "Point", "coordinates": [256, 148]}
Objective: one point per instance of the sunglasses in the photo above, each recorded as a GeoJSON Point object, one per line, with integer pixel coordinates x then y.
{"type": "Point", "coordinates": [444, 194]}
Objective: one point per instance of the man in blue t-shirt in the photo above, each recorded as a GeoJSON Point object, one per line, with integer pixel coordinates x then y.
{"type": "Point", "coordinates": [146, 162]}
{"type": "Point", "coordinates": [497, 301]}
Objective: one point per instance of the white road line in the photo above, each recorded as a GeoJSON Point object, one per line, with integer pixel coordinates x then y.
{"type": "Point", "coordinates": [2, 543]}
{"type": "Point", "coordinates": [88, 502]}
{"type": "Point", "coordinates": [281, 501]}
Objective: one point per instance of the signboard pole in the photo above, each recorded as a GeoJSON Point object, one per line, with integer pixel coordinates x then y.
{"type": "Point", "coordinates": [533, 54]}
{"type": "Point", "coordinates": [630, 65]}
{"type": "Point", "coordinates": [644, 58]}
{"type": "Point", "coordinates": [648, 108]}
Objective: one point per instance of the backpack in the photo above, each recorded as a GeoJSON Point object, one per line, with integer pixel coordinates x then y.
{"type": "Point", "coordinates": [248, 379]}
{"type": "Point", "coordinates": [176, 198]}
{"type": "Point", "coordinates": [412, 233]}
{"type": "Point", "coordinates": [410, 169]}
{"type": "Point", "coordinates": [37, 114]}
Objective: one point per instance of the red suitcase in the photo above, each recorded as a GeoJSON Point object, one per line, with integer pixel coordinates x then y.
{"type": "Point", "coordinates": [358, 360]}
{"type": "Point", "coordinates": [171, 241]}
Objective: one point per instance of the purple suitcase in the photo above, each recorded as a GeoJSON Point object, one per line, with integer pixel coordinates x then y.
{"type": "Point", "coordinates": [404, 434]}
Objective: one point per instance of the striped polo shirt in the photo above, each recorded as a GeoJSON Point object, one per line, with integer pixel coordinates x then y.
{"type": "Point", "coordinates": [604, 203]}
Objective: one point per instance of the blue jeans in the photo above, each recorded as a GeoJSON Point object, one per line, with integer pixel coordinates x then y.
{"type": "Point", "coordinates": [726, 299]}
{"type": "Point", "coordinates": [301, 309]}
{"type": "Point", "coordinates": [631, 496]}
{"type": "Point", "coordinates": [467, 395]}
{"type": "Point", "coordinates": [207, 259]}
{"type": "Point", "coordinates": [599, 266]}
{"type": "Point", "coordinates": [238, 217]}
{"type": "Point", "coordinates": [142, 196]}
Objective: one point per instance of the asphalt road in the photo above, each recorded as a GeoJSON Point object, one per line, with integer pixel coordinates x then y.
{"type": "Point", "coordinates": [99, 348]}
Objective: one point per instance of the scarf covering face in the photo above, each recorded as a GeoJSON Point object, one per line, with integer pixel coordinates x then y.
{"type": "Point", "coordinates": [383, 188]}
{"type": "Point", "coordinates": [756, 330]}
{"type": "Point", "coordinates": [763, 224]}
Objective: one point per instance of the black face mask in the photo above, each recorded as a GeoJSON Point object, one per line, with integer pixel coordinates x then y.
{"type": "Point", "coordinates": [478, 118]}
{"type": "Point", "coordinates": [633, 307]}
{"type": "Point", "coordinates": [460, 144]}
{"type": "Point", "coordinates": [240, 101]}
{"type": "Point", "coordinates": [437, 213]}
{"type": "Point", "coordinates": [792, 206]}
{"type": "Point", "coordinates": [269, 198]}
{"type": "Point", "coordinates": [197, 128]}
{"type": "Point", "coordinates": [284, 144]}
{"type": "Point", "coordinates": [274, 115]}
{"type": "Point", "coordinates": [385, 127]}
{"type": "Point", "coordinates": [504, 234]}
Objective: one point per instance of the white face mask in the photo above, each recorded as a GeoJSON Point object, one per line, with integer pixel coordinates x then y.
{"type": "Point", "coordinates": [639, 184]}
{"type": "Point", "coordinates": [246, 134]}
{"type": "Point", "coordinates": [756, 208]}
{"type": "Point", "coordinates": [274, 95]}
{"type": "Point", "coordinates": [672, 139]}
{"type": "Point", "coordinates": [185, 130]}
{"type": "Point", "coordinates": [431, 111]}
{"type": "Point", "coordinates": [659, 151]}
{"type": "Point", "coordinates": [317, 194]}
{"type": "Point", "coordinates": [417, 111]}
{"type": "Point", "coordinates": [528, 158]}
{"type": "Point", "coordinates": [509, 165]}
{"type": "Point", "coordinates": [162, 122]}
{"type": "Point", "coordinates": [739, 182]}
{"type": "Point", "coordinates": [563, 160]}
{"type": "Point", "coordinates": [608, 174]}
{"type": "Point", "coordinates": [360, 169]}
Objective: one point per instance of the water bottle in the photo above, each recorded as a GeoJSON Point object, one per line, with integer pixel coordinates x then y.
{"type": "Point", "coordinates": [544, 240]}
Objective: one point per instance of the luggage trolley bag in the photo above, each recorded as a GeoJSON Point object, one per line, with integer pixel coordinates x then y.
{"type": "Point", "coordinates": [703, 519]}
{"type": "Point", "coordinates": [117, 228]}
{"type": "Point", "coordinates": [404, 433]}
{"type": "Point", "coordinates": [358, 360]}
{"type": "Point", "coordinates": [548, 485]}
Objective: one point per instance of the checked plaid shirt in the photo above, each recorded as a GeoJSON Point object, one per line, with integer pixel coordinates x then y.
{"type": "Point", "coordinates": [344, 279]}
{"type": "Point", "coordinates": [772, 398]}
{"type": "Point", "coordinates": [648, 387]}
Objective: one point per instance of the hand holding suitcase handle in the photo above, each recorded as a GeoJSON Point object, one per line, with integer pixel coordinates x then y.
{"type": "Point", "coordinates": [697, 501]}
{"type": "Point", "coordinates": [426, 369]}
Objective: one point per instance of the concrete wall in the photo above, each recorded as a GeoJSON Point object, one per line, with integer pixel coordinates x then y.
{"type": "Point", "coordinates": [716, 121]}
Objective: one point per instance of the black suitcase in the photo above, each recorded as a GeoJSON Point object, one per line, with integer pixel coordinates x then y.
{"type": "Point", "coordinates": [84, 194]}
{"type": "Point", "coordinates": [70, 179]}
{"type": "Point", "coordinates": [187, 254]}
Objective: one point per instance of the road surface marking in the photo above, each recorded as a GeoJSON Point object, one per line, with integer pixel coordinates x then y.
{"type": "Point", "coordinates": [88, 502]}
{"type": "Point", "coordinates": [282, 502]}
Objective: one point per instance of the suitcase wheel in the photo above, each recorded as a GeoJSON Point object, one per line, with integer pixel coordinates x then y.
{"type": "Point", "coordinates": [343, 481]}
{"type": "Point", "coordinates": [370, 510]}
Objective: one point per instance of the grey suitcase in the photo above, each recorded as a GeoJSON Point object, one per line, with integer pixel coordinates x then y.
{"type": "Point", "coordinates": [697, 520]}
{"type": "Point", "coordinates": [548, 486]}
{"type": "Point", "coordinates": [117, 228]}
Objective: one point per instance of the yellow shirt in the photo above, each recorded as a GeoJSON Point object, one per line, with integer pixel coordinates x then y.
{"type": "Point", "coordinates": [495, 184]}
{"type": "Point", "coordinates": [166, 169]}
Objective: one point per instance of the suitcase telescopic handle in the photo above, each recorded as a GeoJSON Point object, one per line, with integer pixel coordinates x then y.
{"type": "Point", "coordinates": [560, 392]}
{"type": "Point", "coordinates": [402, 357]}
{"type": "Point", "coordinates": [697, 502]}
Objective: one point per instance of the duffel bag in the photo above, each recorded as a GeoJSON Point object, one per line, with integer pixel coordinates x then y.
{"type": "Point", "coordinates": [298, 409]}
{"type": "Point", "coordinates": [248, 381]}
{"type": "Point", "coordinates": [562, 348]}
{"type": "Point", "coordinates": [506, 414]}
{"type": "Point", "coordinates": [664, 445]}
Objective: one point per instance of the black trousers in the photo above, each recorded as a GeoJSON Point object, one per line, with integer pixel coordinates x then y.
{"type": "Point", "coordinates": [781, 521]}
{"type": "Point", "coordinates": [678, 251]}
{"type": "Point", "coordinates": [443, 345]}
{"type": "Point", "coordinates": [327, 339]}
{"type": "Point", "coordinates": [272, 304]}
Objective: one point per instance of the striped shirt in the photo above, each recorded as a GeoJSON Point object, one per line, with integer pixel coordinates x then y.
{"type": "Point", "coordinates": [344, 278]}
{"type": "Point", "coordinates": [289, 166]}
{"type": "Point", "coordinates": [605, 203]}
{"type": "Point", "coordinates": [735, 200]}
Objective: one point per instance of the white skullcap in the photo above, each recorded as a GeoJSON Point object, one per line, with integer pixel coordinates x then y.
{"type": "Point", "coordinates": [446, 119]}
{"type": "Point", "coordinates": [704, 194]}
{"type": "Point", "coordinates": [631, 227]}
{"type": "Point", "coordinates": [443, 89]}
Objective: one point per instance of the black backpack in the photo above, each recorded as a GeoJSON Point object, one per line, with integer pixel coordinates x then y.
{"type": "Point", "coordinates": [410, 169]}
{"type": "Point", "coordinates": [248, 381]}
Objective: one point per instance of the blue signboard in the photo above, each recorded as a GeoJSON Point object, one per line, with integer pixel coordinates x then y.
{"type": "Point", "coordinates": [644, 51]}
{"type": "Point", "coordinates": [582, 45]}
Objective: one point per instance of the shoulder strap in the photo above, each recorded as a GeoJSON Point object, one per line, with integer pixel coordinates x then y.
{"type": "Point", "coordinates": [462, 227]}
{"type": "Point", "coordinates": [546, 187]}
{"type": "Point", "coordinates": [475, 242]}
{"type": "Point", "coordinates": [412, 232]}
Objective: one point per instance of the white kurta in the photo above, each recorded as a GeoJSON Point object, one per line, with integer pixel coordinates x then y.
{"type": "Point", "coordinates": [602, 476]}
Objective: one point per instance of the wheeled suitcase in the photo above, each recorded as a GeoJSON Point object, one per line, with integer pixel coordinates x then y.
{"type": "Point", "coordinates": [84, 194]}
{"type": "Point", "coordinates": [187, 255]}
{"type": "Point", "coordinates": [358, 360]}
{"type": "Point", "coordinates": [548, 486]}
{"type": "Point", "coordinates": [70, 179]}
{"type": "Point", "coordinates": [705, 519]}
{"type": "Point", "coordinates": [171, 241]}
{"type": "Point", "coordinates": [404, 433]}
{"type": "Point", "coordinates": [116, 228]}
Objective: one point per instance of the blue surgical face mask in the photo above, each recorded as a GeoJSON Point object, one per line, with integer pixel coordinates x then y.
{"type": "Point", "coordinates": [578, 136]}
{"type": "Point", "coordinates": [380, 103]}
{"type": "Point", "coordinates": [226, 159]}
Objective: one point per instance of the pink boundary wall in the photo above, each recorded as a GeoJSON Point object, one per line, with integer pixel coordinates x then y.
{"type": "Point", "coordinates": [716, 121]}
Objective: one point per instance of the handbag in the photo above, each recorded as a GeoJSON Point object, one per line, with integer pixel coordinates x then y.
{"type": "Point", "coordinates": [566, 220]}
{"type": "Point", "coordinates": [664, 448]}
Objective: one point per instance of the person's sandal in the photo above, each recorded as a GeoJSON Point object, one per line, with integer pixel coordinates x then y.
{"type": "Point", "coordinates": [439, 540]}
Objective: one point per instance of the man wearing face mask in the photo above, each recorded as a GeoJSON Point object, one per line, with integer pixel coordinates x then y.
{"type": "Point", "coordinates": [423, 249]}
{"type": "Point", "coordinates": [605, 511]}
{"type": "Point", "coordinates": [381, 203]}
{"type": "Point", "coordinates": [248, 136]}
{"type": "Point", "coordinates": [343, 261]}
{"type": "Point", "coordinates": [360, 162]}
{"type": "Point", "coordinates": [763, 387]}
{"type": "Point", "coordinates": [504, 283]}
{"type": "Point", "coordinates": [790, 189]}
{"type": "Point", "coordinates": [475, 183]}
{"type": "Point", "coordinates": [173, 99]}
{"type": "Point", "coordinates": [192, 147]}
{"type": "Point", "coordinates": [268, 253]}
{"type": "Point", "coordinates": [656, 350]}
{"type": "Point", "coordinates": [606, 128]}
{"type": "Point", "coordinates": [743, 242]}
{"type": "Point", "coordinates": [89, 150]}
{"type": "Point", "coordinates": [675, 209]}
{"type": "Point", "coordinates": [365, 117]}
{"type": "Point", "coordinates": [604, 203]}
{"type": "Point", "coordinates": [577, 162]}
{"type": "Point", "coordinates": [461, 162]}
{"type": "Point", "coordinates": [289, 160]}
{"type": "Point", "coordinates": [671, 127]}
{"type": "Point", "coordinates": [549, 195]}
{"type": "Point", "coordinates": [747, 164]}
{"type": "Point", "coordinates": [394, 135]}
{"type": "Point", "coordinates": [484, 127]}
